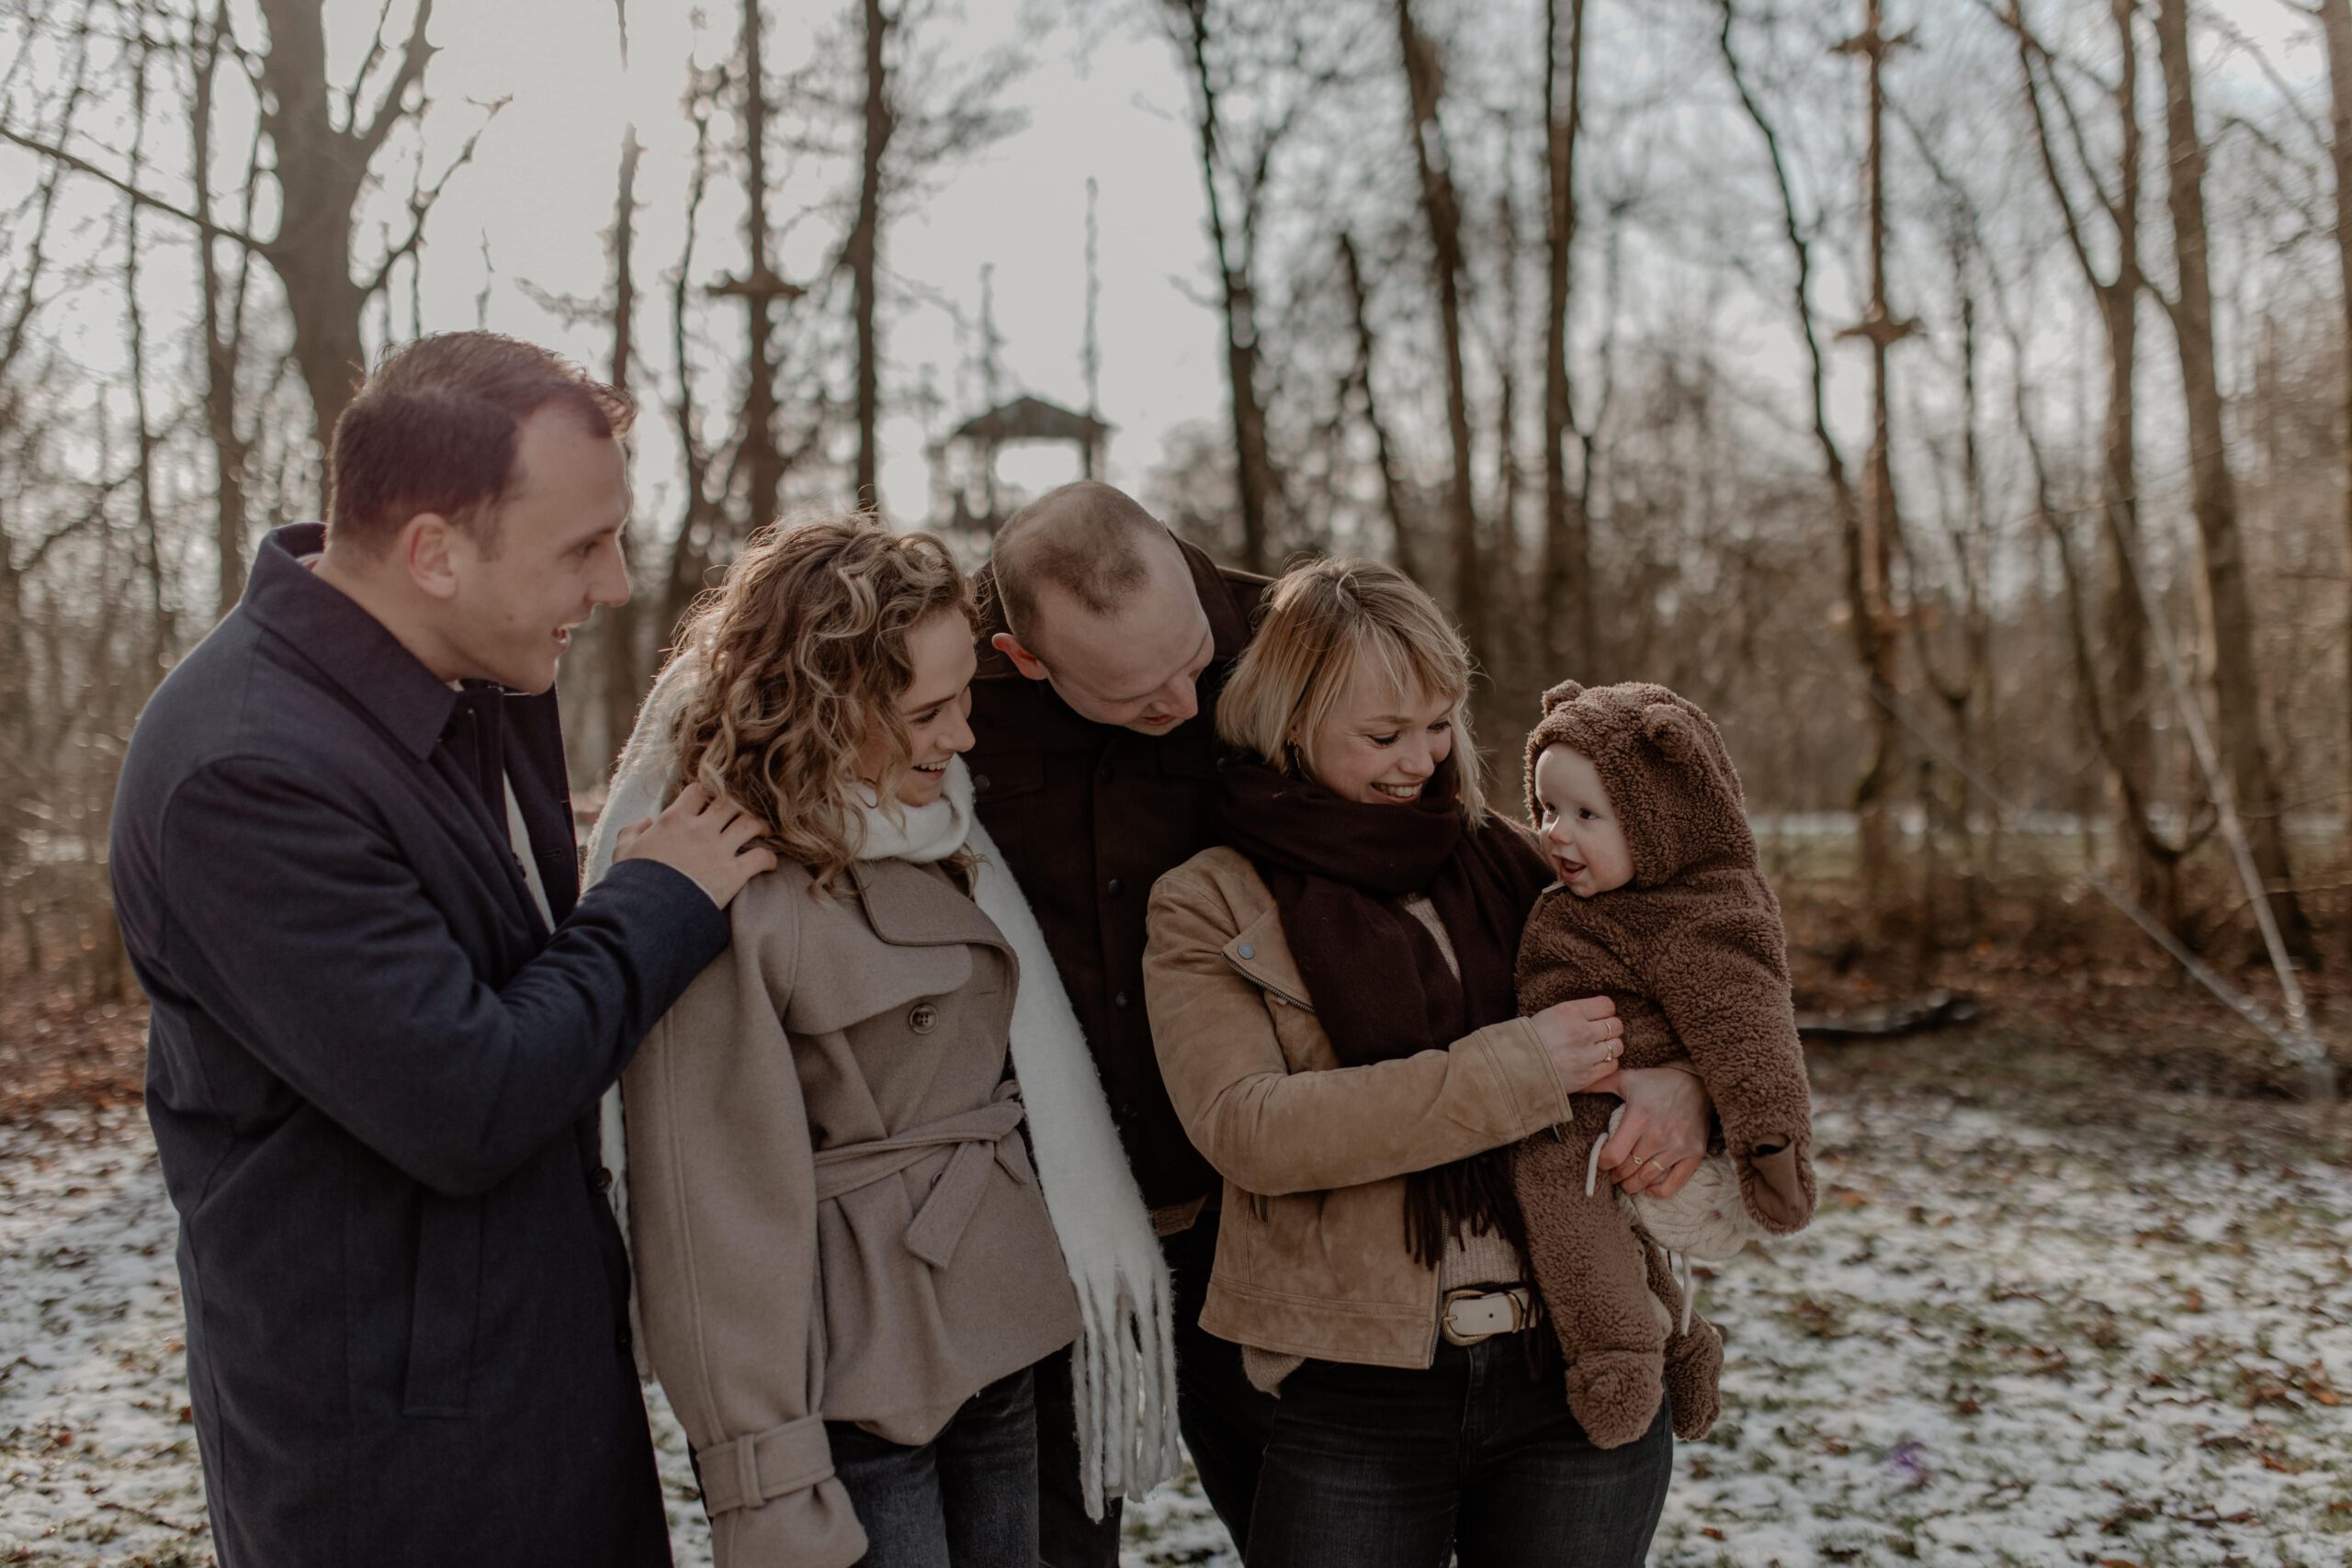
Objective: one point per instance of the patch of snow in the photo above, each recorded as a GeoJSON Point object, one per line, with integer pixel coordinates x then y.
{"type": "Point", "coordinates": [1999, 1344]}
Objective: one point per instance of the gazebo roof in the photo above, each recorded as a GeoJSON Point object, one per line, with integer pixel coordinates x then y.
{"type": "Point", "coordinates": [1031, 418]}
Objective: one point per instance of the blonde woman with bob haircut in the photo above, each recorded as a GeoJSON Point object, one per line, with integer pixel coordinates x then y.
{"type": "Point", "coordinates": [846, 1262]}
{"type": "Point", "coordinates": [1332, 1003]}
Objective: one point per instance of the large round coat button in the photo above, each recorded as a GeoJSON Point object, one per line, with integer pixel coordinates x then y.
{"type": "Point", "coordinates": [1247, 951]}
{"type": "Point", "coordinates": [925, 1019]}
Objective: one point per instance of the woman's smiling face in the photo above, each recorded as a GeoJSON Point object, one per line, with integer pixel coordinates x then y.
{"type": "Point", "coordinates": [935, 707]}
{"type": "Point", "coordinates": [1380, 746]}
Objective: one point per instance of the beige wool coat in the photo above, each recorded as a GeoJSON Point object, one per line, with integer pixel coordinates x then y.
{"type": "Point", "coordinates": [833, 1208]}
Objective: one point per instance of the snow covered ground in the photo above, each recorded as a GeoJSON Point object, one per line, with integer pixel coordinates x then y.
{"type": "Point", "coordinates": [2011, 1337]}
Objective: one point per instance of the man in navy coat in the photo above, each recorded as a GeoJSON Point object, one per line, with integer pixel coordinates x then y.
{"type": "Point", "coordinates": [343, 859]}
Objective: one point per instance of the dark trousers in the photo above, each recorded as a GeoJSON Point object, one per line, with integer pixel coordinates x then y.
{"type": "Point", "coordinates": [1226, 1423]}
{"type": "Point", "coordinates": [965, 1499]}
{"type": "Point", "coordinates": [1385, 1467]}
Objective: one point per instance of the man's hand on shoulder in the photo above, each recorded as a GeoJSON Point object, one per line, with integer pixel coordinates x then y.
{"type": "Point", "coordinates": [707, 839]}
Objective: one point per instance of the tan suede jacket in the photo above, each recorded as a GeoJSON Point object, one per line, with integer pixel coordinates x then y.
{"type": "Point", "coordinates": [833, 1206]}
{"type": "Point", "coordinates": [1311, 1257]}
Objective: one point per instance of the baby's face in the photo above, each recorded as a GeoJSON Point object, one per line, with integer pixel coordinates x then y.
{"type": "Point", "coordinates": [1581, 833]}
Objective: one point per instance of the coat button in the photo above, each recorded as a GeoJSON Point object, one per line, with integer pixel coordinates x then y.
{"type": "Point", "coordinates": [980, 783]}
{"type": "Point", "coordinates": [1116, 887]}
{"type": "Point", "coordinates": [1246, 951]}
{"type": "Point", "coordinates": [923, 1018]}
{"type": "Point", "coordinates": [603, 1180]}
{"type": "Point", "coordinates": [1120, 1001]}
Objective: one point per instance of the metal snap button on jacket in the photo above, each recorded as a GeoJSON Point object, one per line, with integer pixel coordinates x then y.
{"type": "Point", "coordinates": [923, 1018]}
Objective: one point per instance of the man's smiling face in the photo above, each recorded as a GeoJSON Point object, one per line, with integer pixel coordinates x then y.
{"type": "Point", "coordinates": [553, 556]}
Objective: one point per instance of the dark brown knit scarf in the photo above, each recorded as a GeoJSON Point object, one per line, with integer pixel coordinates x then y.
{"type": "Point", "coordinates": [1381, 989]}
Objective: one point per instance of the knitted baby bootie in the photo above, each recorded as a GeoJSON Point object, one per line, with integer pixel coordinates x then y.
{"type": "Point", "coordinates": [1694, 1370]}
{"type": "Point", "coordinates": [1614, 1393]}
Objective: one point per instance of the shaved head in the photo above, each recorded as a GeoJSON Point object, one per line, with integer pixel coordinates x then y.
{"type": "Point", "coordinates": [1099, 600]}
{"type": "Point", "coordinates": [1085, 543]}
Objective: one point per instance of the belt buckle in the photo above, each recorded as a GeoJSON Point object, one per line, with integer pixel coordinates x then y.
{"type": "Point", "coordinates": [1452, 1335]}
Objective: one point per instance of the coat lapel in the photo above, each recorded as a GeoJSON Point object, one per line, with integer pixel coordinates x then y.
{"type": "Point", "coordinates": [912, 905]}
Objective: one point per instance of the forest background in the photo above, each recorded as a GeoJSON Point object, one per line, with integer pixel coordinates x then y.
{"type": "Point", "coordinates": [1954, 397]}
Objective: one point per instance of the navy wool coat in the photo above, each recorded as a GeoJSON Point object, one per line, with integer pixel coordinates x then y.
{"type": "Point", "coordinates": [371, 1075]}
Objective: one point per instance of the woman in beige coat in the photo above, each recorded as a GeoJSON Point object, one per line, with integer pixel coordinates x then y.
{"type": "Point", "coordinates": [845, 1265]}
{"type": "Point", "coordinates": [1332, 1005]}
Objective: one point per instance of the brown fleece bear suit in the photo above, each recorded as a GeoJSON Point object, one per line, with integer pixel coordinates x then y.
{"type": "Point", "coordinates": [1692, 952]}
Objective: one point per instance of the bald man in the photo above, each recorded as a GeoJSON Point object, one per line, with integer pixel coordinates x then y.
{"type": "Point", "coordinates": [1104, 642]}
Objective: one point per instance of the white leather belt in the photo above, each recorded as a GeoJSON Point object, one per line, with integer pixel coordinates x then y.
{"type": "Point", "coordinates": [1468, 1316]}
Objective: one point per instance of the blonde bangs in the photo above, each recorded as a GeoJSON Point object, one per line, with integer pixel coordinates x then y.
{"type": "Point", "coordinates": [1325, 621]}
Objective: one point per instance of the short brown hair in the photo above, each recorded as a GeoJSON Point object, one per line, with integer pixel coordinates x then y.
{"type": "Point", "coordinates": [804, 651]}
{"type": "Point", "coordinates": [1086, 540]}
{"type": "Point", "coordinates": [1322, 620]}
{"type": "Point", "coordinates": [434, 429]}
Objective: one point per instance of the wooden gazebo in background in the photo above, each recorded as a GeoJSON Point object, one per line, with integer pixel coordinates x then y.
{"type": "Point", "coordinates": [965, 461]}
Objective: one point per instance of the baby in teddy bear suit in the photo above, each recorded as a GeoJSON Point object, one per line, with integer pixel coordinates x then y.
{"type": "Point", "coordinates": [1660, 908]}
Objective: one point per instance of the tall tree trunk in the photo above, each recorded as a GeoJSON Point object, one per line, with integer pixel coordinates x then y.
{"type": "Point", "coordinates": [866, 252]}
{"type": "Point", "coordinates": [1441, 210]}
{"type": "Point", "coordinates": [1508, 591]}
{"type": "Point", "coordinates": [1236, 264]}
{"type": "Point", "coordinates": [2336, 21]}
{"type": "Point", "coordinates": [1877, 889]}
{"type": "Point", "coordinates": [1403, 554]}
{"type": "Point", "coordinates": [1877, 630]}
{"type": "Point", "coordinates": [762, 457]}
{"type": "Point", "coordinates": [223, 314]}
{"type": "Point", "coordinates": [2213, 494]}
{"type": "Point", "coordinates": [625, 674]}
{"type": "Point", "coordinates": [2149, 863]}
{"type": "Point", "coordinates": [1565, 615]}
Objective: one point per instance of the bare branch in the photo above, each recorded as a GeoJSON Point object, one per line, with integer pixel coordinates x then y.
{"type": "Point", "coordinates": [144, 198]}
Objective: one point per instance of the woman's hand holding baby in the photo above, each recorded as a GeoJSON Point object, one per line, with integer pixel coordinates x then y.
{"type": "Point", "coordinates": [1585, 1037]}
{"type": "Point", "coordinates": [1663, 1134]}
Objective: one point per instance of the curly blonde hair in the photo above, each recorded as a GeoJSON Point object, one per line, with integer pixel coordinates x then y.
{"type": "Point", "coordinates": [804, 652]}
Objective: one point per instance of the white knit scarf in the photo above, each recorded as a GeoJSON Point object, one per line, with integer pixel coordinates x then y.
{"type": "Point", "coordinates": [1123, 1366]}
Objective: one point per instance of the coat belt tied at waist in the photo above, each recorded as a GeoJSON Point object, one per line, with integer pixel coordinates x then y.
{"type": "Point", "coordinates": [976, 1136]}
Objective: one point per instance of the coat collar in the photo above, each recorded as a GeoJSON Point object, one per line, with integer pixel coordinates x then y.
{"type": "Point", "coordinates": [912, 905]}
{"type": "Point", "coordinates": [350, 647]}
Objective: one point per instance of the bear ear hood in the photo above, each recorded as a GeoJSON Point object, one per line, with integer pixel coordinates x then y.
{"type": "Point", "coordinates": [1665, 766]}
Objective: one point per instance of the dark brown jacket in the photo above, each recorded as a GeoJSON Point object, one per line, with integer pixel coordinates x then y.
{"type": "Point", "coordinates": [1087, 817]}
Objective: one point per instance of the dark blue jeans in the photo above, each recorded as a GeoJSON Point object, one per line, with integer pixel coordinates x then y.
{"type": "Point", "coordinates": [965, 1499]}
{"type": "Point", "coordinates": [1382, 1467]}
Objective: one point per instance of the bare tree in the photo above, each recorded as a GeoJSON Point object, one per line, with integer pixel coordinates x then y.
{"type": "Point", "coordinates": [1392, 485]}
{"type": "Point", "coordinates": [864, 249]}
{"type": "Point", "coordinates": [1878, 625]}
{"type": "Point", "coordinates": [1441, 216]}
{"type": "Point", "coordinates": [2336, 26]}
{"type": "Point", "coordinates": [321, 165]}
{"type": "Point", "coordinates": [626, 672]}
{"type": "Point", "coordinates": [1235, 171]}
{"type": "Point", "coordinates": [1871, 802]}
{"type": "Point", "coordinates": [1565, 615]}
{"type": "Point", "coordinates": [2226, 602]}
{"type": "Point", "coordinates": [2127, 740]}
